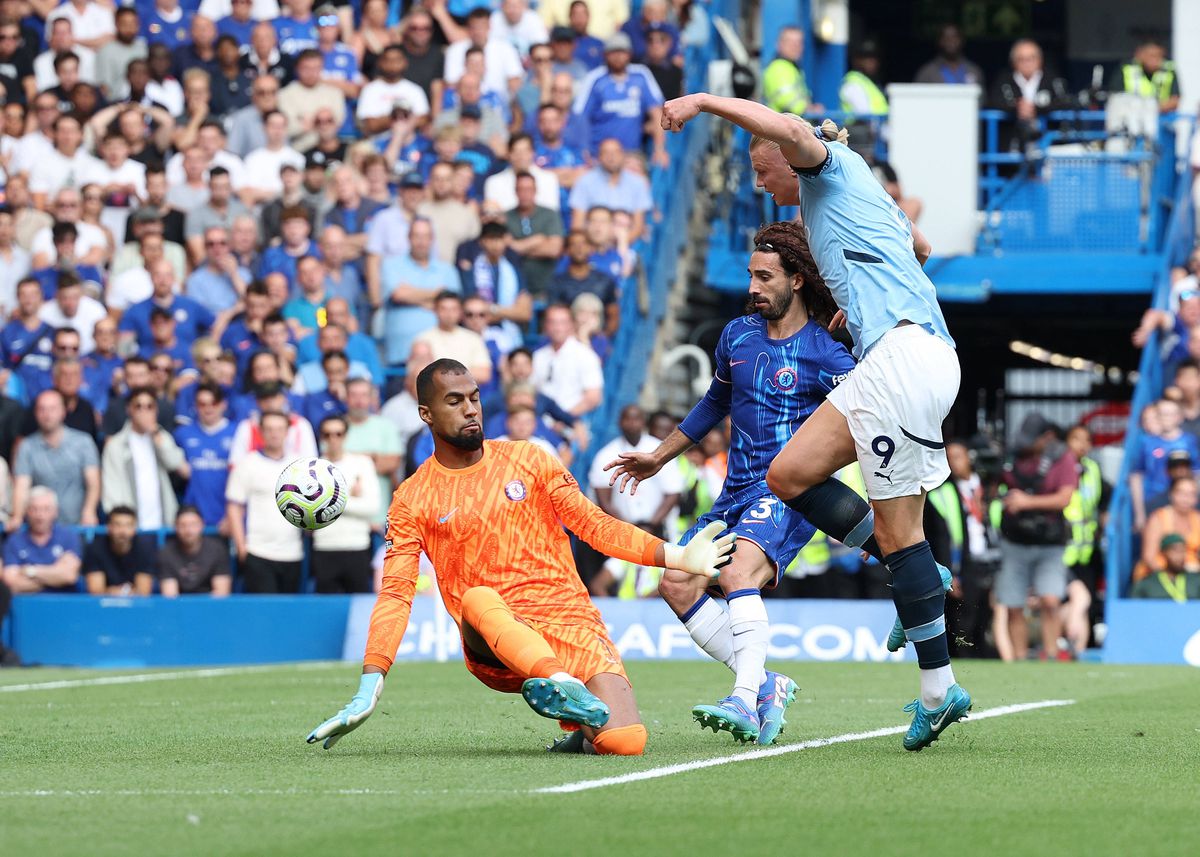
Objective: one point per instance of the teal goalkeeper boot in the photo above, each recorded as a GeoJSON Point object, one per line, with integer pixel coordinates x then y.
{"type": "Point", "coordinates": [927, 725]}
{"type": "Point", "coordinates": [730, 715]}
{"type": "Point", "coordinates": [565, 700]}
{"type": "Point", "coordinates": [896, 639]}
{"type": "Point", "coordinates": [774, 696]}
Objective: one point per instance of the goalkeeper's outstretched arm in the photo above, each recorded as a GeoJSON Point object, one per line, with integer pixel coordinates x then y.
{"type": "Point", "coordinates": [796, 138]}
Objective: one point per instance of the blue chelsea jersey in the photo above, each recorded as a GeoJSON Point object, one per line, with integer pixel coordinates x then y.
{"type": "Point", "coordinates": [863, 245]}
{"type": "Point", "coordinates": [776, 384]}
{"type": "Point", "coordinates": [207, 453]}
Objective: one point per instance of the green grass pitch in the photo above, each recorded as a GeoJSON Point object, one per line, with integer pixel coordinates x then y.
{"type": "Point", "coordinates": [217, 765]}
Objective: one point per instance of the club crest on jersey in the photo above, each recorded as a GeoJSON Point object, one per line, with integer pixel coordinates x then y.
{"type": "Point", "coordinates": [785, 379]}
{"type": "Point", "coordinates": [515, 491]}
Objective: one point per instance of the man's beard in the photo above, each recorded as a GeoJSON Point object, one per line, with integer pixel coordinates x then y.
{"type": "Point", "coordinates": [775, 309]}
{"type": "Point", "coordinates": [468, 442]}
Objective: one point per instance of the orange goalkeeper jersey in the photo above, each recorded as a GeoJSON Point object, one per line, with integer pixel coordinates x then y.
{"type": "Point", "coordinates": [497, 523]}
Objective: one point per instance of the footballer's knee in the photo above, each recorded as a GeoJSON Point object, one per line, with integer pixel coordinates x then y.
{"type": "Point", "coordinates": [621, 741]}
{"type": "Point", "coordinates": [750, 569]}
{"type": "Point", "coordinates": [679, 589]}
{"type": "Point", "coordinates": [478, 600]}
{"type": "Point", "coordinates": [785, 482]}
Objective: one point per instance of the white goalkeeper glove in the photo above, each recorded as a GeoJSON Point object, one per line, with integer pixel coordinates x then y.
{"type": "Point", "coordinates": [705, 554]}
{"type": "Point", "coordinates": [356, 711]}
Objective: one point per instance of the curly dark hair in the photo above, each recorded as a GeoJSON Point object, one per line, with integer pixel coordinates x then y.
{"type": "Point", "coordinates": [789, 241]}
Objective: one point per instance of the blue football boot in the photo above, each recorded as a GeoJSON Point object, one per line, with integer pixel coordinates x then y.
{"type": "Point", "coordinates": [928, 725]}
{"type": "Point", "coordinates": [730, 714]}
{"type": "Point", "coordinates": [565, 700]}
{"type": "Point", "coordinates": [896, 640]}
{"type": "Point", "coordinates": [774, 696]}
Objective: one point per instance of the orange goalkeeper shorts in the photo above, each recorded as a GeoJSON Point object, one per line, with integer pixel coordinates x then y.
{"type": "Point", "coordinates": [584, 648]}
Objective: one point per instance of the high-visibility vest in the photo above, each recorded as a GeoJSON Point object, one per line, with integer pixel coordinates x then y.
{"type": "Point", "coordinates": [638, 581]}
{"type": "Point", "coordinates": [785, 88]}
{"type": "Point", "coordinates": [851, 476]}
{"type": "Point", "coordinates": [1083, 515]}
{"type": "Point", "coordinates": [948, 504]}
{"type": "Point", "coordinates": [877, 100]}
{"type": "Point", "coordinates": [813, 558]}
{"type": "Point", "coordinates": [996, 508]}
{"type": "Point", "coordinates": [693, 479]}
{"type": "Point", "coordinates": [1157, 86]}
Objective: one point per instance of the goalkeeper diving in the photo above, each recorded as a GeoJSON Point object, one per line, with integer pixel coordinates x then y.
{"type": "Point", "coordinates": [490, 516]}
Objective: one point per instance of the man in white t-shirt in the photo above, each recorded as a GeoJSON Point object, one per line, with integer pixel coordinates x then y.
{"type": "Point", "coordinates": [341, 558]}
{"type": "Point", "coordinates": [502, 187]}
{"type": "Point", "coordinates": [61, 40]}
{"type": "Point", "coordinates": [72, 308]}
{"type": "Point", "coordinates": [90, 241]}
{"type": "Point", "coordinates": [565, 369]}
{"type": "Point", "coordinates": [389, 92]}
{"type": "Point", "coordinates": [67, 165]}
{"type": "Point", "coordinates": [269, 549]}
{"type": "Point", "coordinates": [514, 22]}
{"type": "Point", "coordinates": [91, 23]}
{"type": "Point", "coordinates": [299, 441]}
{"type": "Point", "coordinates": [502, 62]}
{"type": "Point", "coordinates": [263, 165]}
{"type": "Point", "coordinates": [449, 339]}
{"type": "Point", "coordinates": [650, 507]}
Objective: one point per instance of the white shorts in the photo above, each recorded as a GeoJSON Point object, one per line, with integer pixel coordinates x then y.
{"type": "Point", "coordinates": [895, 401]}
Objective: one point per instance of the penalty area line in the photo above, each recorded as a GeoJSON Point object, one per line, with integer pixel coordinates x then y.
{"type": "Point", "coordinates": [139, 678]}
{"type": "Point", "coordinates": [768, 752]}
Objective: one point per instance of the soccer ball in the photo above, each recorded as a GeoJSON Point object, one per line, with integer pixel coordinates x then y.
{"type": "Point", "coordinates": [311, 493]}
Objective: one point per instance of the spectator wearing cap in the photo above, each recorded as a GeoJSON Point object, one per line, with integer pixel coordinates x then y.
{"type": "Point", "coordinates": [220, 280]}
{"type": "Point", "coordinates": [619, 99]}
{"type": "Point", "coordinates": [390, 94]}
{"type": "Point", "coordinates": [565, 369]}
{"type": "Point", "coordinates": [502, 62]}
{"type": "Point", "coordinates": [271, 397]}
{"type": "Point", "coordinates": [304, 96]}
{"type": "Point", "coordinates": [611, 185]}
{"type": "Point", "coordinates": [341, 64]}
{"type": "Point", "coordinates": [1148, 471]}
{"type": "Point", "coordinates": [60, 458]}
{"type": "Point", "coordinates": [574, 131]}
{"type": "Point", "coordinates": [191, 563]}
{"type": "Point", "coordinates": [597, 18]}
{"type": "Point", "coordinates": [1041, 480]}
{"type": "Point", "coordinates": [165, 341]}
{"type": "Point", "coordinates": [1177, 577]}
{"type": "Point", "coordinates": [410, 283]}
{"type": "Point", "coordinates": [1179, 516]}
{"type": "Point", "coordinates": [295, 232]}
{"type": "Point", "coordinates": [502, 187]}
{"type": "Point", "coordinates": [113, 58]}
{"type": "Point", "coordinates": [517, 24]}
{"type": "Point", "coordinates": [493, 276]}
{"type": "Point", "coordinates": [426, 58]}
{"type": "Point", "coordinates": [537, 235]}
{"type": "Point", "coordinates": [652, 19]}
{"type": "Point", "coordinates": [351, 210]}
{"type": "Point", "coordinates": [453, 222]}
{"type": "Point", "coordinates": [44, 555]}
{"type": "Point", "coordinates": [238, 22]}
{"type": "Point", "coordinates": [263, 165]}
{"type": "Point", "coordinates": [562, 54]}
{"type": "Point", "coordinates": [119, 563]}
{"type": "Point", "coordinates": [221, 209]}
{"type": "Point", "coordinates": [668, 74]}
{"type": "Point", "coordinates": [192, 319]}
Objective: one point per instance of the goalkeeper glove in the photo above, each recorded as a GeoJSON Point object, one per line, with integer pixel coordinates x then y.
{"type": "Point", "coordinates": [356, 711]}
{"type": "Point", "coordinates": [705, 554]}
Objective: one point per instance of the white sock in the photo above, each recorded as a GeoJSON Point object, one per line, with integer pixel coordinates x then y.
{"type": "Point", "coordinates": [561, 677]}
{"type": "Point", "coordinates": [709, 627]}
{"type": "Point", "coordinates": [934, 684]}
{"type": "Point", "coordinates": [749, 628]}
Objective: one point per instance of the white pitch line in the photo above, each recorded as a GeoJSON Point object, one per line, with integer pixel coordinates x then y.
{"type": "Point", "coordinates": [191, 792]}
{"type": "Point", "coordinates": [765, 753]}
{"type": "Point", "coordinates": [138, 678]}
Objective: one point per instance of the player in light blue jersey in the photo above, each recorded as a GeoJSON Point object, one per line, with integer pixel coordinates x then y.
{"type": "Point", "coordinates": [888, 415]}
{"type": "Point", "coordinates": [774, 368]}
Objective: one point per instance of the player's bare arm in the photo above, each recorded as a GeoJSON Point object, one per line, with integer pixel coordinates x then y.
{"type": "Point", "coordinates": [921, 246]}
{"type": "Point", "coordinates": [795, 139]}
{"type": "Point", "coordinates": [634, 467]}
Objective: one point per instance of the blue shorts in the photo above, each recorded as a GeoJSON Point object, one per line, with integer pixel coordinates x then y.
{"type": "Point", "coordinates": [757, 515]}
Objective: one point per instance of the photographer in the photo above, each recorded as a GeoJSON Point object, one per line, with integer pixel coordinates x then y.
{"type": "Point", "coordinates": [1040, 482]}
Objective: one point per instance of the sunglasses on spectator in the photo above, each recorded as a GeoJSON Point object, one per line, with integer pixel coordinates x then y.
{"type": "Point", "coordinates": [143, 406]}
{"type": "Point", "coordinates": [333, 434]}
{"type": "Point", "coordinates": [327, 21]}
{"type": "Point", "coordinates": [9, 37]}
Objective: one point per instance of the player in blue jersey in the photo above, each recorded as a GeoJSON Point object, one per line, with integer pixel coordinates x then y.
{"type": "Point", "coordinates": [774, 367]}
{"type": "Point", "coordinates": [888, 415]}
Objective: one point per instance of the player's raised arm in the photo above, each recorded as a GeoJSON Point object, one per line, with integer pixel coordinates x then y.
{"type": "Point", "coordinates": [389, 620]}
{"type": "Point", "coordinates": [796, 139]}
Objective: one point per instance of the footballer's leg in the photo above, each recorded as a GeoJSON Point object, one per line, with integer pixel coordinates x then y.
{"type": "Point", "coordinates": [623, 734]}
{"type": "Point", "coordinates": [490, 626]}
{"type": "Point", "coordinates": [705, 619]}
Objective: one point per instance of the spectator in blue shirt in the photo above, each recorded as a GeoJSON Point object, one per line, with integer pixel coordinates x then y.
{"type": "Point", "coordinates": [493, 277]}
{"type": "Point", "coordinates": [165, 23]}
{"type": "Point", "coordinates": [295, 231]}
{"type": "Point", "coordinates": [26, 336]}
{"type": "Point", "coordinates": [200, 51]}
{"type": "Point", "coordinates": [220, 281]}
{"type": "Point", "coordinates": [330, 400]}
{"type": "Point", "coordinates": [619, 99]}
{"type": "Point", "coordinates": [305, 313]}
{"type": "Point", "coordinates": [351, 210]}
{"type": "Point", "coordinates": [562, 54]}
{"type": "Point", "coordinates": [551, 152]}
{"type": "Point", "coordinates": [298, 31]}
{"type": "Point", "coordinates": [342, 277]}
{"type": "Point", "coordinates": [238, 23]}
{"type": "Point", "coordinates": [581, 277]}
{"type": "Point", "coordinates": [243, 334]}
{"type": "Point", "coordinates": [231, 85]}
{"type": "Point", "coordinates": [611, 185]}
{"type": "Point", "coordinates": [205, 444]}
{"type": "Point", "coordinates": [335, 336]}
{"type": "Point", "coordinates": [410, 284]}
{"type": "Point", "coordinates": [588, 49]}
{"type": "Point", "coordinates": [576, 133]}
{"type": "Point", "coordinates": [652, 18]}
{"type": "Point", "coordinates": [1149, 471]}
{"type": "Point", "coordinates": [192, 320]}
{"type": "Point", "coordinates": [43, 556]}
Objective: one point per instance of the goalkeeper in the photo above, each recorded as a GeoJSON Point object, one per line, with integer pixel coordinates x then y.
{"type": "Point", "coordinates": [490, 516]}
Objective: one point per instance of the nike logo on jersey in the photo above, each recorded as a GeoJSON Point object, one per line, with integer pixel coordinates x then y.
{"type": "Point", "coordinates": [447, 516]}
{"type": "Point", "coordinates": [884, 476]}
{"type": "Point", "coordinates": [733, 363]}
